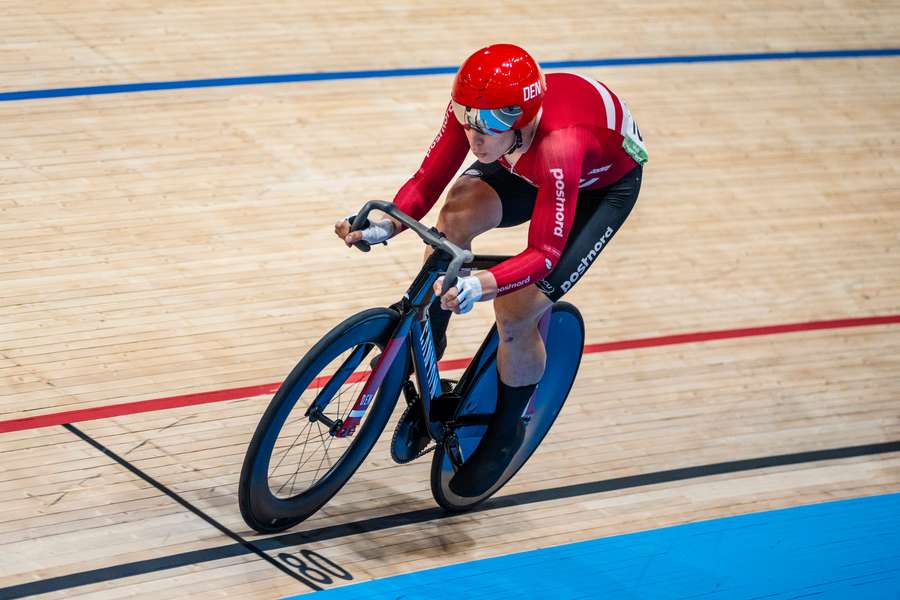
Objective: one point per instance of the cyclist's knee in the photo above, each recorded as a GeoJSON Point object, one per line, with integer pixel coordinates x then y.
{"type": "Point", "coordinates": [467, 190]}
{"type": "Point", "coordinates": [518, 314]}
{"type": "Point", "coordinates": [472, 207]}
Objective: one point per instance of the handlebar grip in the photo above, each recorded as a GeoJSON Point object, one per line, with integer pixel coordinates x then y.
{"type": "Point", "coordinates": [449, 282]}
{"type": "Point", "coordinates": [357, 223]}
{"type": "Point", "coordinates": [432, 237]}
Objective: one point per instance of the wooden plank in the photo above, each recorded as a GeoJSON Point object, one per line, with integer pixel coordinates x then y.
{"type": "Point", "coordinates": [176, 242]}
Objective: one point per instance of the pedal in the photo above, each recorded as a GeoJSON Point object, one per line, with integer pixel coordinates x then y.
{"type": "Point", "coordinates": [451, 448]}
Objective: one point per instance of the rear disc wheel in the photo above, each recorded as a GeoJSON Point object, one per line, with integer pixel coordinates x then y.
{"type": "Point", "coordinates": [565, 343]}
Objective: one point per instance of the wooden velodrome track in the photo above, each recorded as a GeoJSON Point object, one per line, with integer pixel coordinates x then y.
{"type": "Point", "coordinates": [178, 242]}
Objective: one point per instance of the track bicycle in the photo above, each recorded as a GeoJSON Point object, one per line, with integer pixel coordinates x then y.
{"type": "Point", "coordinates": [327, 415]}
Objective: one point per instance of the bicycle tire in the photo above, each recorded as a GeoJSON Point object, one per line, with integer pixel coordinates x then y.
{"type": "Point", "coordinates": [260, 507]}
{"type": "Point", "coordinates": [565, 345]}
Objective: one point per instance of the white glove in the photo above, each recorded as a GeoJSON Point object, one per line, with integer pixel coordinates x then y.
{"type": "Point", "coordinates": [377, 231]}
{"type": "Point", "coordinates": [469, 289]}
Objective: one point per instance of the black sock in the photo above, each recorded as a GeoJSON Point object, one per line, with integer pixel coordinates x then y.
{"type": "Point", "coordinates": [511, 403]}
{"type": "Point", "coordinates": [501, 441]}
{"type": "Point", "coordinates": [439, 318]}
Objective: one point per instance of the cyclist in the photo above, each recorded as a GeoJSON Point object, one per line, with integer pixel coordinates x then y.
{"type": "Point", "coordinates": [562, 151]}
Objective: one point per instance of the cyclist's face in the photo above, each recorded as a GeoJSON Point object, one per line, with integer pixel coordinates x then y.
{"type": "Point", "coordinates": [489, 148]}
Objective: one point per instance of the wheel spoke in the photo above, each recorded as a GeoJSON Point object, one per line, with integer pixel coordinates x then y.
{"type": "Point", "coordinates": [292, 477]}
{"type": "Point", "coordinates": [324, 454]}
{"type": "Point", "coordinates": [317, 440]}
{"type": "Point", "coordinates": [288, 449]}
{"type": "Point", "coordinates": [301, 462]}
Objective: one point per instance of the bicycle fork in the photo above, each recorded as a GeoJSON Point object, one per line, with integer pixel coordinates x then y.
{"type": "Point", "coordinates": [414, 327]}
{"type": "Point", "coordinates": [385, 361]}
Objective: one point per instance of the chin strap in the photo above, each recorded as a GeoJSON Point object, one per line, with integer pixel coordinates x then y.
{"type": "Point", "coordinates": [517, 143]}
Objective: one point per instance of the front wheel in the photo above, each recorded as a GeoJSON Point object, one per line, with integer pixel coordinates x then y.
{"type": "Point", "coordinates": [564, 344]}
{"type": "Point", "coordinates": [295, 463]}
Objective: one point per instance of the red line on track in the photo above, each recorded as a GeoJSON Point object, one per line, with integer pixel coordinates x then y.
{"type": "Point", "coordinates": [130, 408]}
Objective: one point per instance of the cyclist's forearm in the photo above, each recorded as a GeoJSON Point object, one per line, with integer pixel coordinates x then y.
{"type": "Point", "coordinates": [488, 285]}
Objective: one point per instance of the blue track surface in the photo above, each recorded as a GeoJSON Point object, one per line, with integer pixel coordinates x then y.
{"type": "Point", "coordinates": [381, 73]}
{"type": "Point", "coordinates": [847, 550]}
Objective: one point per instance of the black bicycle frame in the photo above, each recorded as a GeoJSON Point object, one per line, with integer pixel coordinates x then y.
{"type": "Point", "coordinates": [414, 331]}
{"type": "Point", "coordinates": [414, 327]}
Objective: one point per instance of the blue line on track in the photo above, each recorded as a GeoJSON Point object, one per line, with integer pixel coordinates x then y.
{"type": "Point", "coordinates": [841, 550]}
{"type": "Point", "coordinates": [384, 73]}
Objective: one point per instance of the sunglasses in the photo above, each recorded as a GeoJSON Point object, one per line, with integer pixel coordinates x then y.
{"type": "Point", "coordinates": [487, 121]}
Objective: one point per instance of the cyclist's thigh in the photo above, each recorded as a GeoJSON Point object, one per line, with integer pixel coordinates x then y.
{"type": "Point", "coordinates": [598, 217]}
{"type": "Point", "coordinates": [516, 195]}
{"type": "Point", "coordinates": [472, 207]}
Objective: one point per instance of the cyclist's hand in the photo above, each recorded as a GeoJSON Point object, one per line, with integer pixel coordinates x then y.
{"type": "Point", "coordinates": [374, 232]}
{"type": "Point", "coordinates": [462, 297]}
{"type": "Point", "coordinates": [342, 230]}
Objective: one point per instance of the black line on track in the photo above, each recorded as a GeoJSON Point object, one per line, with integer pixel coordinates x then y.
{"type": "Point", "coordinates": [332, 532]}
{"type": "Point", "coordinates": [242, 545]}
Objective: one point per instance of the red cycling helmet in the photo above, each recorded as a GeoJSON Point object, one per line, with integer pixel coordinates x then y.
{"type": "Point", "coordinates": [498, 88]}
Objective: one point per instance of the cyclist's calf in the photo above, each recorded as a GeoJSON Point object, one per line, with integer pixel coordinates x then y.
{"type": "Point", "coordinates": [521, 355]}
